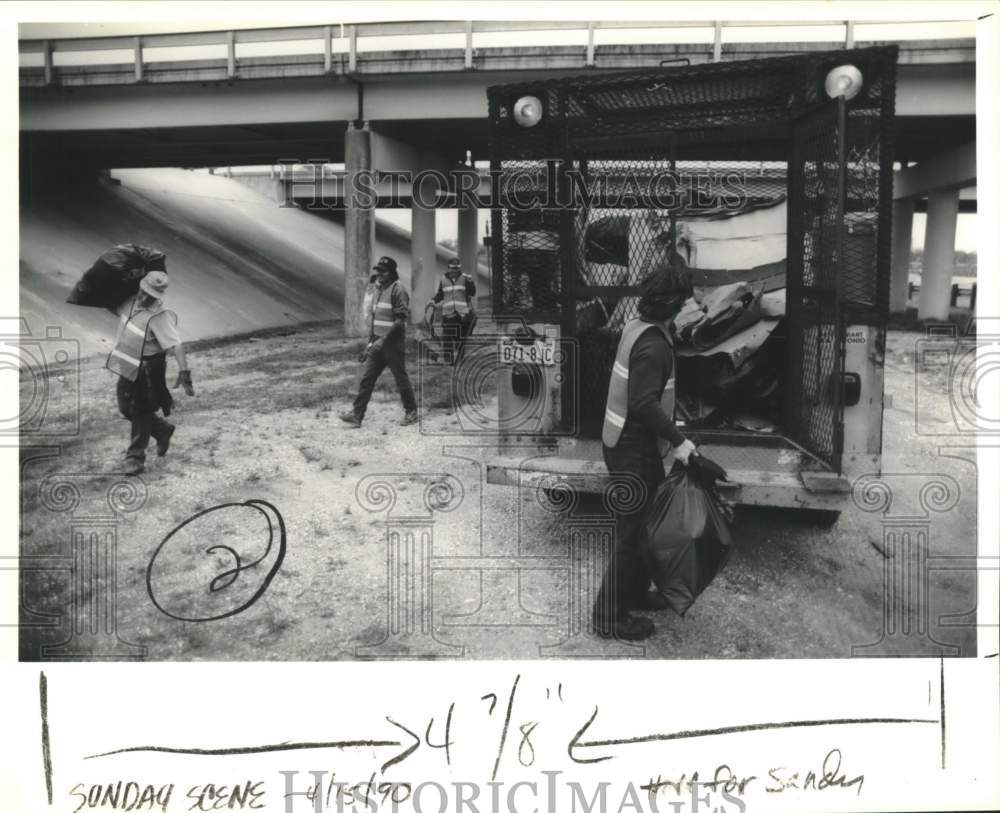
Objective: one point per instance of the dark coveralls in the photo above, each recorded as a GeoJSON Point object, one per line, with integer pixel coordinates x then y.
{"type": "Point", "coordinates": [139, 400]}
{"type": "Point", "coordinates": [390, 352]}
{"type": "Point", "coordinates": [626, 579]}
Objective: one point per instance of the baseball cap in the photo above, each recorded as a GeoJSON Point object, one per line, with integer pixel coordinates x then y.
{"type": "Point", "coordinates": [454, 262]}
{"type": "Point", "coordinates": [386, 264]}
{"type": "Point", "coordinates": [154, 284]}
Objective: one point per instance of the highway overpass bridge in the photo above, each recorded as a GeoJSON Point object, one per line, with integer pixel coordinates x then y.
{"type": "Point", "coordinates": [233, 109]}
{"type": "Point", "coordinates": [352, 95]}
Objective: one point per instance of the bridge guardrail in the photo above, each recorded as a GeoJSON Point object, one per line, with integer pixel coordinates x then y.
{"type": "Point", "coordinates": [343, 46]}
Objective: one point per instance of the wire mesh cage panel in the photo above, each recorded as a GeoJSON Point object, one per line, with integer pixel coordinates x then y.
{"type": "Point", "coordinates": [529, 245]}
{"type": "Point", "coordinates": [867, 245]}
{"type": "Point", "coordinates": [626, 166]}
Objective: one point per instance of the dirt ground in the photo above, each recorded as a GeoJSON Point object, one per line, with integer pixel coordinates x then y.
{"type": "Point", "coordinates": [264, 427]}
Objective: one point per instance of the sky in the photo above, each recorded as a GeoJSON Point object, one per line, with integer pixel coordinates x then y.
{"type": "Point", "coordinates": [965, 233]}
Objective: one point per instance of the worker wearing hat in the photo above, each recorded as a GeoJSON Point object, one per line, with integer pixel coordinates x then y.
{"type": "Point", "coordinates": [456, 298]}
{"type": "Point", "coordinates": [386, 307]}
{"type": "Point", "coordinates": [146, 333]}
{"type": "Point", "coordinates": [638, 431]}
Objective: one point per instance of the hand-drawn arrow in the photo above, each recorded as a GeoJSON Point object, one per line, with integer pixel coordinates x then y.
{"type": "Point", "coordinates": [277, 747]}
{"type": "Point", "coordinates": [577, 741]}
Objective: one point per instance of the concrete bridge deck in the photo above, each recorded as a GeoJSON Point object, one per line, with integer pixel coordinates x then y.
{"type": "Point", "coordinates": [258, 96]}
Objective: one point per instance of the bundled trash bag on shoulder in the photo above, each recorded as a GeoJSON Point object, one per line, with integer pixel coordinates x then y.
{"type": "Point", "coordinates": [688, 532]}
{"type": "Point", "coordinates": [115, 275]}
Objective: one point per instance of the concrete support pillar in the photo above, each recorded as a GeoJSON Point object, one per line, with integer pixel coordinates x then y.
{"type": "Point", "coordinates": [468, 240]}
{"type": "Point", "coordinates": [939, 254]}
{"type": "Point", "coordinates": [359, 232]}
{"type": "Point", "coordinates": [423, 260]}
{"type": "Point", "coordinates": [902, 241]}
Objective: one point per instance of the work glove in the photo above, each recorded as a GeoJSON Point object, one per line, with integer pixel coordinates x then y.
{"type": "Point", "coordinates": [373, 344]}
{"type": "Point", "coordinates": [184, 379]}
{"type": "Point", "coordinates": [684, 451]}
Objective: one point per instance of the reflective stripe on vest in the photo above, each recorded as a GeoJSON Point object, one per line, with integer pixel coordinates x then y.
{"type": "Point", "coordinates": [616, 410]}
{"type": "Point", "coordinates": [380, 310]}
{"type": "Point", "coordinates": [126, 355]}
{"type": "Point", "coordinates": [455, 299]}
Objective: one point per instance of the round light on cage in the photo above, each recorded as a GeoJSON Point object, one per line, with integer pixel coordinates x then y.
{"type": "Point", "coordinates": [528, 111]}
{"type": "Point", "coordinates": [844, 80]}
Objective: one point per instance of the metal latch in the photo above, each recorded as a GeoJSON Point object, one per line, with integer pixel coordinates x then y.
{"type": "Point", "coordinates": [850, 388]}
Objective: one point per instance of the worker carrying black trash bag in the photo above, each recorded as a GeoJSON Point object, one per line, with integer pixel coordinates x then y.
{"type": "Point", "coordinates": [638, 415]}
{"type": "Point", "coordinates": [147, 332]}
{"type": "Point", "coordinates": [114, 277]}
{"type": "Point", "coordinates": [688, 532]}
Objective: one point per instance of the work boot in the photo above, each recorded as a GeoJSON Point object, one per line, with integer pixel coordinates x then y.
{"type": "Point", "coordinates": [651, 601]}
{"type": "Point", "coordinates": [133, 466]}
{"type": "Point", "coordinates": [351, 418]}
{"type": "Point", "coordinates": [410, 417]}
{"type": "Point", "coordinates": [163, 444]}
{"type": "Point", "coordinates": [626, 628]}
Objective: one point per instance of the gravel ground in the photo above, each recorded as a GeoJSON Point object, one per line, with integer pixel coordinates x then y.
{"type": "Point", "coordinates": [264, 426]}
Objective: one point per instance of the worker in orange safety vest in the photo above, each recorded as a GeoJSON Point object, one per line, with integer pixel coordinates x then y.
{"type": "Point", "coordinates": [386, 307]}
{"type": "Point", "coordinates": [146, 333]}
{"type": "Point", "coordinates": [638, 428]}
{"type": "Point", "coordinates": [456, 298]}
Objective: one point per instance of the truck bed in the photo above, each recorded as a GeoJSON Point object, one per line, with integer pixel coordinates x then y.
{"type": "Point", "coordinates": [771, 473]}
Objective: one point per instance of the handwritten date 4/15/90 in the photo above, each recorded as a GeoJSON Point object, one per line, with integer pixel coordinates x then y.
{"type": "Point", "coordinates": [778, 780]}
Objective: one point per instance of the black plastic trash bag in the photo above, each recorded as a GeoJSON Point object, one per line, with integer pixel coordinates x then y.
{"type": "Point", "coordinates": [606, 240]}
{"type": "Point", "coordinates": [115, 275]}
{"type": "Point", "coordinates": [688, 532]}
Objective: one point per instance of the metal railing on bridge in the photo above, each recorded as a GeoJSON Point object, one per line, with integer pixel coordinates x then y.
{"type": "Point", "coordinates": [452, 45]}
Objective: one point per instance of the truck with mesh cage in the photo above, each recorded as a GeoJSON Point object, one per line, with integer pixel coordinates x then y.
{"type": "Point", "coordinates": [771, 177]}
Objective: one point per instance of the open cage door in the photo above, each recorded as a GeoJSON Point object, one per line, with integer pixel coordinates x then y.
{"type": "Point", "coordinates": [816, 329]}
{"type": "Point", "coordinates": [782, 127]}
